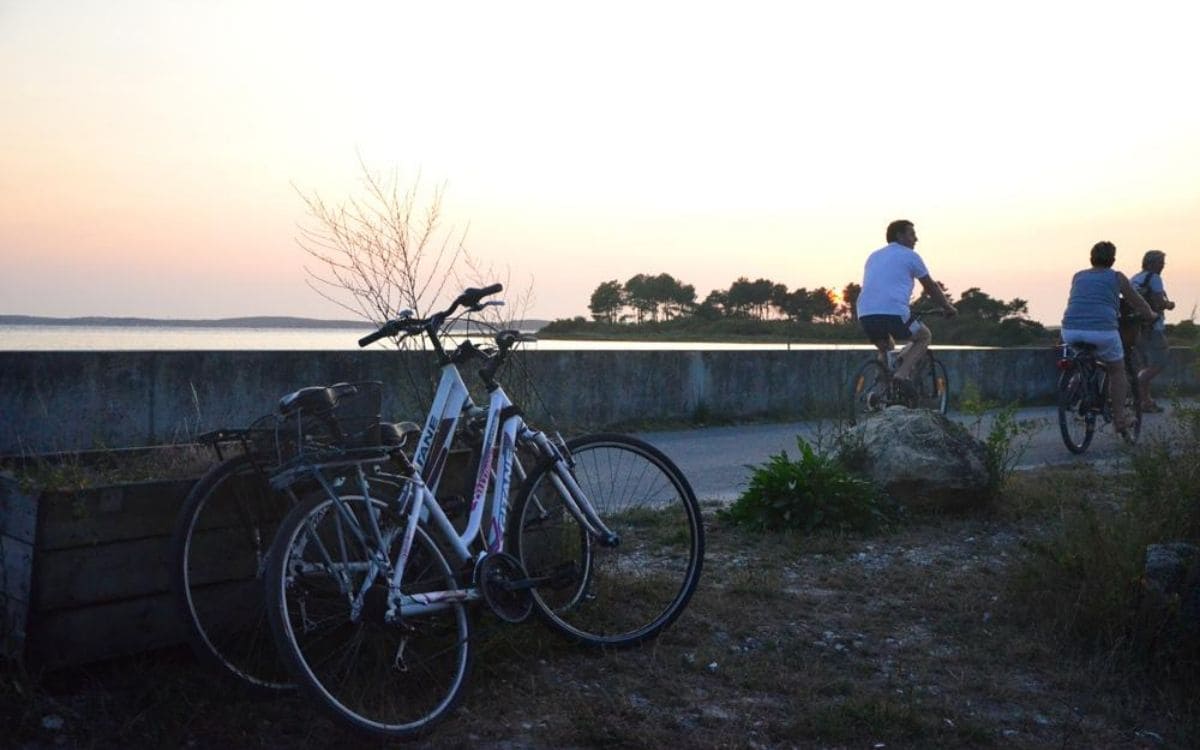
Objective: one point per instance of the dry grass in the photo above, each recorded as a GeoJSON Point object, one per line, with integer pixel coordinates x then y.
{"type": "Point", "coordinates": [76, 471]}
{"type": "Point", "coordinates": [910, 639]}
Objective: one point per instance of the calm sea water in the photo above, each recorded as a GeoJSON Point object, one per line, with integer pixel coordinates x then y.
{"type": "Point", "coordinates": [154, 338]}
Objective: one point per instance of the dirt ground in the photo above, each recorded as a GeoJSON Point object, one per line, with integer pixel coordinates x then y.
{"type": "Point", "coordinates": [907, 639]}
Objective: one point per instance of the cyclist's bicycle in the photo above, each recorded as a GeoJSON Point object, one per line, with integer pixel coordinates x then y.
{"type": "Point", "coordinates": [1083, 396]}
{"type": "Point", "coordinates": [874, 386]}
{"type": "Point", "coordinates": [225, 526]}
{"type": "Point", "coordinates": [368, 588]}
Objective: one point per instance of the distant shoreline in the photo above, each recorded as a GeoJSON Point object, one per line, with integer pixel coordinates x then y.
{"type": "Point", "coordinates": [247, 322]}
{"type": "Point", "coordinates": [261, 321]}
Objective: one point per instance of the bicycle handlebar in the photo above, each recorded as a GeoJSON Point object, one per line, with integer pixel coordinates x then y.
{"type": "Point", "coordinates": [371, 338]}
{"type": "Point", "coordinates": [508, 338]}
{"type": "Point", "coordinates": [924, 312]}
{"type": "Point", "coordinates": [471, 298]}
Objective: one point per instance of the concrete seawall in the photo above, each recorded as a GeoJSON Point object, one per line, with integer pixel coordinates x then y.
{"type": "Point", "coordinates": [57, 401]}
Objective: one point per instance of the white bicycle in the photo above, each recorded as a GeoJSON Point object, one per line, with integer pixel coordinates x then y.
{"type": "Point", "coordinates": [368, 592]}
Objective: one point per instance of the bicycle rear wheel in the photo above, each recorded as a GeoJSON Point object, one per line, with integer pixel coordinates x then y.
{"type": "Point", "coordinates": [868, 390]}
{"type": "Point", "coordinates": [1076, 421]}
{"type": "Point", "coordinates": [611, 595]}
{"type": "Point", "coordinates": [217, 555]}
{"type": "Point", "coordinates": [932, 384]}
{"type": "Point", "coordinates": [387, 679]}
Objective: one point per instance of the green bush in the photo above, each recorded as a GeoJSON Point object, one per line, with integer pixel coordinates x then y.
{"type": "Point", "coordinates": [1007, 437]}
{"type": "Point", "coordinates": [815, 491]}
{"type": "Point", "coordinates": [1166, 480]}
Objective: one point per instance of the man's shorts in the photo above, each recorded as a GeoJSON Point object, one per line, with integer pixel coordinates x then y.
{"type": "Point", "coordinates": [1107, 343]}
{"type": "Point", "coordinates": [879, 327]}
{"type": "Point", "coordinates": [1153, 348]}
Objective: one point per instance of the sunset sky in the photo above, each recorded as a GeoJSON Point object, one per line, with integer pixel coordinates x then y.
{"type": "Point", "coordinates": [150, 150]}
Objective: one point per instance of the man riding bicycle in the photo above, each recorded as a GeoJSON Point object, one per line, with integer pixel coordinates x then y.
{"type": "Point", "coordinates": [883, 310]}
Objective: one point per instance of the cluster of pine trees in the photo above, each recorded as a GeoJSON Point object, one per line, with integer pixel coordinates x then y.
{"type": "Point", "coordinates": [645, 299]}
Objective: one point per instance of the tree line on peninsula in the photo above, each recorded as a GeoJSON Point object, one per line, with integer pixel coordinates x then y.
{"type": "Point", "coordinates": [661, 306]}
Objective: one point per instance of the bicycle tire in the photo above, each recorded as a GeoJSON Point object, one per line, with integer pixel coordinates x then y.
{"type": "Point", "coordinates": [618, 595]}
{"type": "Point", "coordinates": [217, 555]}
{"type": "Point", "coordinates": [932, 384]}
{"type": "Point", "coordinates": [394, 680]}
{"type": "Point", "coordinates": [1076, 423]}
{"type": "Point", "coordinates": [868, 390]}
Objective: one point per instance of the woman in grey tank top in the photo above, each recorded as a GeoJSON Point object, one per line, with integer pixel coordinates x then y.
{"type": "Point", "coordinates": [1091, 318]}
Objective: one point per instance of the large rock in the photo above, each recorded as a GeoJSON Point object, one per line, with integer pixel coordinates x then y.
{"type": "Point", "coordinates": [1170, 602]}
{"type": "Point", "coordinates": [920, 458]}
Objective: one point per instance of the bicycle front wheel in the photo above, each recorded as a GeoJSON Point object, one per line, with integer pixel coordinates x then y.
{"type": "Point", "coordinates": [868, 390]}
{"type": "Point", "coordinates": [932, 384]}
{"type": "Point", "coordinates": [327, 597]}
{"type": "Point", "coordinates": [1075, 420]}
{"type": "Point", "coordinates": [611, 595]}
{"type": "Point", "coordinates": [217, 555]}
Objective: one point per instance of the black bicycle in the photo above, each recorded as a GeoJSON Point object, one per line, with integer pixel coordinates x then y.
{"type": "Point", "coordinates": [875, 386]}
{"type": "Point", "coordinates": [1083, 397]}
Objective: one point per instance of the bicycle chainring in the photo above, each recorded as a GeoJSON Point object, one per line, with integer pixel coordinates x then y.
{"type": "Point", "coordinates": [504, 585]}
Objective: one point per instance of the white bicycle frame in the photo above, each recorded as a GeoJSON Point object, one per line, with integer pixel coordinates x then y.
{"type": "Point", "coordinates": [503, 429]}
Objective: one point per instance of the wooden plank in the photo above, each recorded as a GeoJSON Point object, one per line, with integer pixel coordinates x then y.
{"type": "Point", "coordinates": [244, 499]}
{"type": "Point", "coordinates": [18, 511]}
{"type": "Point", "coordinates": [112, 513]}
{"type": "Point", "coordinates": [227, 554]}
{"type": "Point", "coordinates": [102, 573]}
{"type": "Point", "coordinates": [78, 636]}
{"type": "Point", "coordinates": [235, 605]}
{"type": "Point", "coordinates": [18, 529]}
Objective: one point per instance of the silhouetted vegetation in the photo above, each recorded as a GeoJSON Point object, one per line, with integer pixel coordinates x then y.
{"type": "Point", "coordinates": [662, 307]}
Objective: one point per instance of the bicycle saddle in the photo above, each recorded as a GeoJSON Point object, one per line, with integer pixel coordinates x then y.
{"type": "Point", "coordinates": [395, 434]}
{"type": "Point", "coordinates": [315, 399]}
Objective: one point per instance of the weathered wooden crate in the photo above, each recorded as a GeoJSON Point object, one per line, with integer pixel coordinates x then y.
{"type": "Point", "coordinates": [85, 573]}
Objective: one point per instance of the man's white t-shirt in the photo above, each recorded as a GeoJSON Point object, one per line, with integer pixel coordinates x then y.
{"type": "Point", "coordinates": [888, 280]}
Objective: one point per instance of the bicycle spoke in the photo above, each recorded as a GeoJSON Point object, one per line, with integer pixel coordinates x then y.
{"type": "Point", "coordinates": [392, 679]}
{"type": "Point", "coordinates": [218, 554]}
{"type": "Point", "coordinates": [612, 595]}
